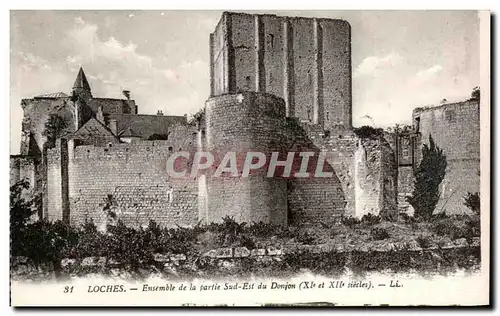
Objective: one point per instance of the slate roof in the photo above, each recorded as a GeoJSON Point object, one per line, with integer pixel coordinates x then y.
{"type": "Point", "coordinates": [93, 126]}
{"type": "Point", "coordinates": [145, 125]}
{"type": "Point", "coordinates": [109, 105]}
{"type": "Point", "coordinates": [81, 81]}
{"type": "Point", "coordinates": [128, 133]}
{"type": "Point", "coordinates": [54, 95]}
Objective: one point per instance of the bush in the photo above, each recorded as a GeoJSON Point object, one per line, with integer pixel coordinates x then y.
{"type": "Point", "coordinates": [21, 210]}
{"type": "Point", "coordinates": [263, 230]}
{"type": "Point", "coordinates": [197, 117]}
{"type": "Point", "coordinates": [180, 240]}
{"type": "Point", "coordinates": [350, 221]}
{"type": "Point", "coordinates": [47, 242]}
{"type": "Point", "coordinates": [473, 228]}
{"type": "Point", "coordinates": [370, 219]}
{"type": "Point", "coordinates": [379, 233]}
{"type": "Point", "coordinates": [473, 202]}
{"type": "Point", "coordinates": [90, 242]}
{"type": "Point", "coordinates": [388, 215]}
{"type": "Point", "coordinates": [410, 220]}
{"type": "Point", "coordinates": [306, 237]}
{"type": "Point", "coordinates": [368, 132]}
{"type": "Point", "coordinates": [367, 220]}
{"type": "Point", "coordinates": [424, 241]}
{"type": "Point", "coordinates": [129, 246]}
{"type": "Point", "coordinates": [428, 176]}
{"type": "Point", "coordinates": [449, 227]}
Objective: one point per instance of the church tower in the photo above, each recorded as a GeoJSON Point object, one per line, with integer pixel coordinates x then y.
{"type": "Point", "coordinates": [81, 87]}
{"type": "Point", "coordinates": [81, 95]}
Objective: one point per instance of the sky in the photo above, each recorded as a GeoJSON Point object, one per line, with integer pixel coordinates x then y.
{"type": "Point", "coordinates": [400, 59]}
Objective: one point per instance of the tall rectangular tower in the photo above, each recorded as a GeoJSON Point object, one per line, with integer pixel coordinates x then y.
{"type": "Point", "coordinates": [305, 61]}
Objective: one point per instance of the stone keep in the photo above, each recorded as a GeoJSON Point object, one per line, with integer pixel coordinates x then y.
{"type": "Point", "coordinates": [305, 61]}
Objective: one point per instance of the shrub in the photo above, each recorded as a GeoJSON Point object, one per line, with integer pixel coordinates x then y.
{"type": "Point", "coordinates": [424, 241]}
{"type": "Point", "coordinates": [229, 230]}
{"type": "Point", "coordinates": [247, 241]}
{"type": "Point", "coordinates": [368, 132]}
{"type": "Point", "coordinates": [450, 227]}
{"type": "Point", "coordinates": [473, 228]}
{"type": "Point", "coordinates": [90, 242]}
{"type": "Point", "coordinates": [379, 233]}
{"type": "Point", "coordinates": [129, 246]}
{"type": "Point", "coordinates": [47, 242]}
{"type": "Point", "coordinates": [475, 94]}
{"type": "Point", "coordinates": [350, 221]}
{"type": "Point", "coordinates": [197, 117]}
{"type": "Point", "coordinates": [367, 220]}
{"type": "Point", "coordinates": [55, 127]}
{"type": "Point", "coordinates": [388, 215]}
{"type": "Point", "coordinates": [21, 210]}
{"type": "Point", "coordinates": [262, 229]}
{"type": "Point", "coordinates": [306, 237]}
{"type": "Point", "coordinates": [370, 219]}
{"type": "Point", "coordinates": [440, 216]}
{"type": "Point", "coordinates": [473, 202]}
{"type": "Point", "coordinates": [428, 176]}
{"type": "Point", "coordinates": [410, 220]}
{"type": "Point", "coordinates": [180, 240]}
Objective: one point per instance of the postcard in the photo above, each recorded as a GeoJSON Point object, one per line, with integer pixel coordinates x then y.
{"type": "Point", "coordinates": [250, 158]}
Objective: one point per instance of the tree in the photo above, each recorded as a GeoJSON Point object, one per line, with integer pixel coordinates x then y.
{"type": "Point", "coordinates": [368, 132]}
{"type": "Point", "coordinates": [428, 176]}
{"type": "Point", "coordinates": [21, 210]}
{"type": "Point", "coordinates": [197, 117]}
{"type": "Point", "coordinates": [54, 129]}
{"type": "Point", "coordinates": [476, 94]}
{"type": "Point", "coordinates": [40, 241]}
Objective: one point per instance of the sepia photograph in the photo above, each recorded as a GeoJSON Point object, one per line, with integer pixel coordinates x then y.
{"type": "Point", "coordinates": [249, 158]}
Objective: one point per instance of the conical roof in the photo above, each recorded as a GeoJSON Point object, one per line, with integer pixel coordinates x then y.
{"type": "Point", "coordinates": [81, 81]}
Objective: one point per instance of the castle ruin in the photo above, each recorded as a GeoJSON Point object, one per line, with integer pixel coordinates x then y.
{"type": "Point", "coordinates": [277, 84]}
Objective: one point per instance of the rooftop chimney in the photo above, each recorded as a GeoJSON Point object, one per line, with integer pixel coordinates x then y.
{"type": "Point", "coordinates": [126, 93]}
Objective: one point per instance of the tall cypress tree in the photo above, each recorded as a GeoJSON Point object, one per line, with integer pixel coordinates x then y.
{"type": "Point", "coordinates": [428, 176]}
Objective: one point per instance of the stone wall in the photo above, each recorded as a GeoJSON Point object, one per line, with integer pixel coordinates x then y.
{"type": "Point", "coordinates": [455, 129]}
{"type": "Point", "coordinates": [36, 113]}
{"type": "Point", "coordinates": [22, 168]}
{"type": "Point", "coordinates": [53, 184]}
{"type": "Point", "coordinates": [405, 188]}
{"type": "Point", "coordinates": [129, 180]}
{"type": "Point", "coordinates": [305, 61]}
{"type": "Point", "coordinates": [364, 181]}
{"type": "Point", "coordinates": [314, 200]}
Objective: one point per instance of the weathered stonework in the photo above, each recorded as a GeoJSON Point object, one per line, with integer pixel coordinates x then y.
{"type": "Point", "coordinates": [242, 123]}
{"type": "Point", "coordinates": [455, 129]}
{"type": "Point", "coordinates": [305, 61]}
{"type": "Point", "coordinates": [270, 92]}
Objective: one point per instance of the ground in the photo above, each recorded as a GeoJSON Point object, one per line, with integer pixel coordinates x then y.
{"type": "Point", "coordinates": [443, 245]}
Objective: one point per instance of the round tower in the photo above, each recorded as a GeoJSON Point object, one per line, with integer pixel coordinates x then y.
{"type": "Point", "coordinates": [243, 123]}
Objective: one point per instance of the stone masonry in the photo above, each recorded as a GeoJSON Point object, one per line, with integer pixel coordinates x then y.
{"type": "Point", "coordinates": [277, 84]}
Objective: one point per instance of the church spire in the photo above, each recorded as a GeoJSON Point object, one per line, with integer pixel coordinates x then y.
{"type": "Point", "coordinates": [81, 87]}
{"type": "Point", "coordinates": [81, 82]}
